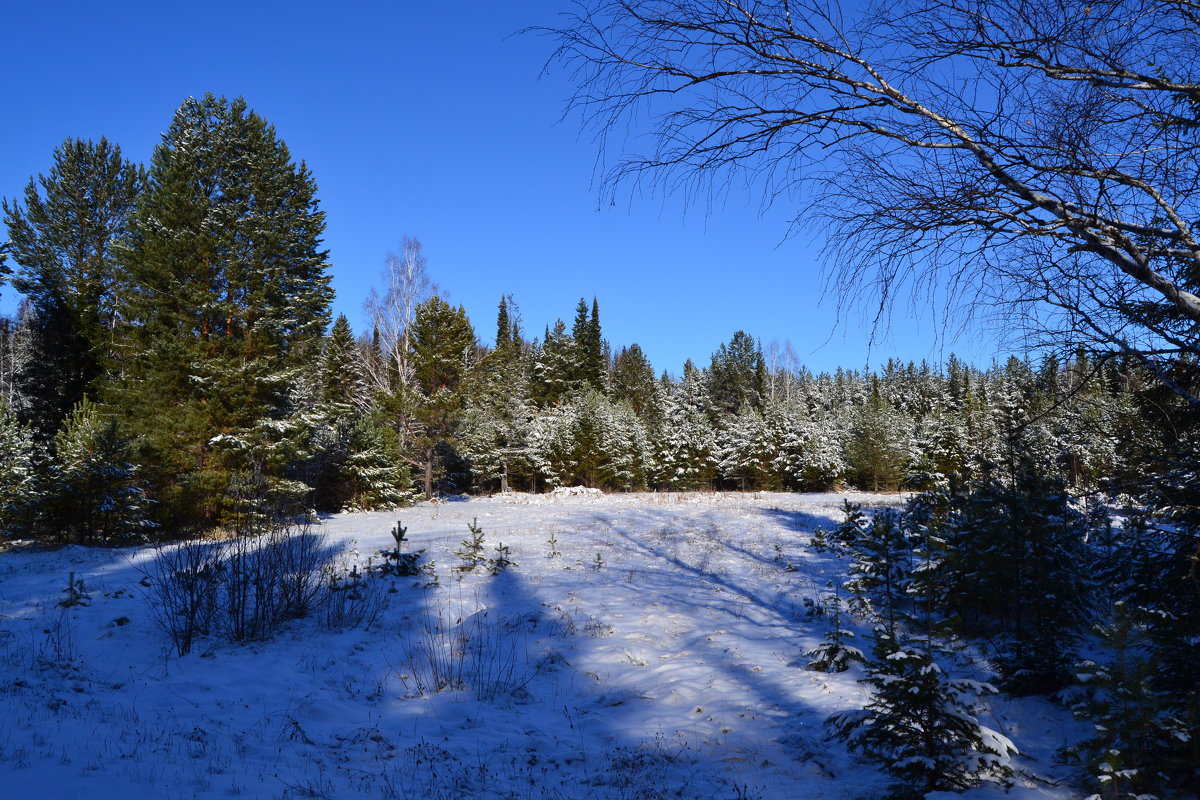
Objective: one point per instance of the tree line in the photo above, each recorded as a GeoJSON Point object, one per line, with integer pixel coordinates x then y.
{"type": "Point", "coordinates": [173, 360]}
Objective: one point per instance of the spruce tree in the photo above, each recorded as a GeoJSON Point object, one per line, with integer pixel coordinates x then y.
{"type": "Point", "coordinates": [744, 451]}
{"type": "Point", "coordinates": [21, 495]}
{"type": "Point", "coordinates": [96, 497]}
{"type": "Point", "coordinates": [554, 371]}
{"type": "Point", "coordinates": [685, 454]}
{"type": "Point", "coordinates": [1013, 571]}
{"type": "Point", "coordinates": [633, 381]}
{"type": "Point", "coordinates": [64, 240]}
{"type": "Point", "coordinates": [342, 397]}
{"type": "Point", "coordinates": [921, 725]}
{"type": "Point", "coordinates": [443, 353]}
{"type": "Point", "coordinates": [225, 293]}
{"type": "Point", "coordinates": [496, 425]}
{"type": "Point", "coordinates": [879, 451]}
{"type": "Point", "coordinates": [737, 377]}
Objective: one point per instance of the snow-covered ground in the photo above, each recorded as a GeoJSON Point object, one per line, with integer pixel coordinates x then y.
{"type": "Point", "coordinates": [658, 656]}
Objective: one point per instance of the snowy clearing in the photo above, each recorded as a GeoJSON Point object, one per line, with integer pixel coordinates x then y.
{"type": "Point", "coordinates": [658, 654]}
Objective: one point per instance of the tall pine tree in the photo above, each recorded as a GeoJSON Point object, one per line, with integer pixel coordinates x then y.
{"type": "Point", "coordinates": [226, 294]}
{"type": "Point", "coordinates": [64, 240]}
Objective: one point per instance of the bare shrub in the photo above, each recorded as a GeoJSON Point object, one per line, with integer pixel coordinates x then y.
{"type": "Point", "coordinates": [271, 579]}
{"type": "Point", "coordinates": [184, 585]}
{"type": "Point", "coordinates": [479, 653]}
{"type": "Point", "coordinates": [244, 588]}
{"type": "Point", "coordinates": [350, 598]}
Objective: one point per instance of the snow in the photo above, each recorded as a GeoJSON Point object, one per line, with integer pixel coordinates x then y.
{"type": "Point", "coordinates": [658, 656]}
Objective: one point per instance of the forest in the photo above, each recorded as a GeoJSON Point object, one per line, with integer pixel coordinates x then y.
{"type": "Point", "coordinates": [174, 370]}
{"type": "Point", "coordinates": [173, 359]}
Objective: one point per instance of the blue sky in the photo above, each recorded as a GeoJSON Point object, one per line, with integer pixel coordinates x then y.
{"type": "Point", "coordinates": [435, 120]}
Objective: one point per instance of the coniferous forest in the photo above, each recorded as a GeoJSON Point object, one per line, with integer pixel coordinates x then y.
{"type": "Point", "coordinates": [174, 370]}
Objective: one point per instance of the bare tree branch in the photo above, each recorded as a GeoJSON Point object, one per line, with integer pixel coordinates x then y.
{"type": "Point", "coordinates": [968, 147]}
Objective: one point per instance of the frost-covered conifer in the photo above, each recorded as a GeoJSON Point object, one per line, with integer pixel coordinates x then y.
{"type": "Point", "coordinates": [20, 493]}
{"type": "Point", "coordinates": [743, 450]}
{"type": "Point", "coordinates": [553, 367]}
{"type": "Point", "coordinates": [685, 453]}
{"type": "Point", "coordinates": [881, 566]}
{"type": "Point", "coordinates": [1013, 571]}
{"type": "Point", "coordinates": [921, 725]}
{"type": "Point", "coordinates": [96, 495]}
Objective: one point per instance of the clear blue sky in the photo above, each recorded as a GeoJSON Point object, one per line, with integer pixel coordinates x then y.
{"type": "Point", "coordinates": [434, 120]}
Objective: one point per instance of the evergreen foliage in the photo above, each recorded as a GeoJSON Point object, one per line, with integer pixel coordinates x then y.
{"type": "Point", "coordinates": [64, 239]}
{"type": "Point", "coordinates": [225, 295]}
{"type": "Point", "coordinates": [95, 494]}
{"type": "Point", "coordinates": [1013, 561]}
{"type": "Point", "coordinates": [442, 355]}
{"type": "Point", "coordinates": [553, 367]}
{"type": "Point", "coordinates": [921, 725]}
{"type": "Point", "coordinates": [21, 493]}
{"type": "Point", "coordinates": [737, 378]}
{"type": "Point", "coordinates": [633, 382]}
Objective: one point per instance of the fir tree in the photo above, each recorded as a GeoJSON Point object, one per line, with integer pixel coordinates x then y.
{"type": "Point", "coordinates": [372, 476]}
{"type": "Point", "coordinates": [1139, 732]}
{"type": "Point", "coordinates": [590, 368]}
{"type": "Point", "coordinates": [633, 382]}
{"type": "Point", "coordinates": [1013, 572]}
{"type": "Point", "coordinates": [554, 367]}
{"type": "Point", "coordinates": [685, 453]}
{"type": "Point", "coordinates": [508, 329]}
{"type": "Point", "coordinates": [878, 452]}
{"type": "Point", "coordinates": [744, 450]}
{"type": "Point", "coordinates": [342, 397]}
{"type": "Point", "coordinates": [922, 726]}
{"type": "Point", "coordinates": [496, 426]}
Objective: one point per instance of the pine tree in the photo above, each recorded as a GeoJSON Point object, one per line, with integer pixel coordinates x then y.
{"type": "Point", "coordinates": [64, 240]}
{"type": "Point", "coordinates": [226, 294]}
{"type": "Point", "coordinates": [343, 379]}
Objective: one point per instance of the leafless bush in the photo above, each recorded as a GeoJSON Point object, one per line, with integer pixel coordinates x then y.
{"type": "Point", "coordinates": [245, 587]}
{"type": "Point", "coordinates": [271, 579]}
{"type": "Point", "coordinates": [184, 584]}
{"type": "Point", "coordinates": [479, 652]}
{"type": "Point", "coordinates": [350, 598]}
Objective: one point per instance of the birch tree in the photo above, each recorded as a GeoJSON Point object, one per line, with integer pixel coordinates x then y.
{"type": "Point", "coordinates": [1032, 158]}
{"type": "Point", "coordinates": [406, 285]}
